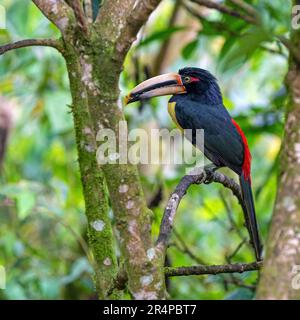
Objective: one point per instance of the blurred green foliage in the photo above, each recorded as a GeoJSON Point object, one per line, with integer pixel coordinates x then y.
{"type": "Point", "coordinates": [42, 222]}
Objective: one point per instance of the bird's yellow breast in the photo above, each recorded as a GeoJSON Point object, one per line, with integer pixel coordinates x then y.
{"type": "Point", "coordinates": [171, 110]}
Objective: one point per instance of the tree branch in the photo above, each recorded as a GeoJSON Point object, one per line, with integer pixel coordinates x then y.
{"type": "Point", "coordinates": [214, 269]}
{"type": "Point", "coordinates": [206, 175]}
{"type": "Point", "coordinates": [57, 11]}
{"type": "Point", "coordinates": [88, 8]}
{"type": "Point", "coordinates": [99, 227]}
{"type": "Point", "coordinates": [295, 52]}
{"type": "Point", "coordinates": [79, 15]}
{"type": "Point", "coordinates": [245, 7]}
{"type": "Point", "coordinates": [217, 25]}
{"type": "Point", "coordinates": [30, 43]}
{"type": "Point", "coordinates": [251, 17]}
{"type": "Point", "coordinates": [280, 277]}
{"type": "Point", "coordinates": [111, 36]}
{"type": "Point", "coordinates": [224, 9]}
{"type": "Point", "coordinates": [223, 27]}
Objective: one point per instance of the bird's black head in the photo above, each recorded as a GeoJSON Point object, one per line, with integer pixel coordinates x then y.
{"type": "Point", "coordinates": [201, 84]}
{"type": "Point", "coordinates": [195, 83]}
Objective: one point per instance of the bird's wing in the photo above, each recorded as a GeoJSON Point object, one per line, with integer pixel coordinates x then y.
{"type": "Point", "coordinates": [222, 142]}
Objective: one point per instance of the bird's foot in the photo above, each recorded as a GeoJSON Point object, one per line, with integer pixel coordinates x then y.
{"type": "Point", "coordinates": [203, 174]}
{"type": "Point", "coordinates": [209, 170]}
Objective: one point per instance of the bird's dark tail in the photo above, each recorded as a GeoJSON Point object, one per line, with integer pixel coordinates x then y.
{"type": "Point", "coordinates": [250, 216]}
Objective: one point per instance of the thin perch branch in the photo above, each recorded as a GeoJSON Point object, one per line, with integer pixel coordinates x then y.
{"type": "Point", "coordinates": [30, 43]}
{"type": "Point", "coordinates": [214, 269]}
{"type": "Point", "coordinates": [206, 175]}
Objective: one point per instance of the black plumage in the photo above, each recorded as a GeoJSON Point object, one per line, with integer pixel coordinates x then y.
{"type": "Point", "coordinates": [201, 107]}
{"type": "Point", "coordinates": [222, 142]}
{"type": "Point", "coordinates": [197, 104]}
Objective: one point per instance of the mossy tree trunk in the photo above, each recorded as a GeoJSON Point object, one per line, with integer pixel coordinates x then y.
{"type": "Point", "coordinates": [281, 273]}
{"type": "Point", "coordinates": [94, 52]}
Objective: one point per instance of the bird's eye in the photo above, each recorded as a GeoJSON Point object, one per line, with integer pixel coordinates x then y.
{"type": "Point", "coordinates": [187, 79]}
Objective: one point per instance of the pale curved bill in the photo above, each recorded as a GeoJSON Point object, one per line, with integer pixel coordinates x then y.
{"type": "Point", "coordinates": [166, 84]}
{"type": "Point", "coordinates": [172, 76]}
{"type": "Point", "coordinates": [164, 91]}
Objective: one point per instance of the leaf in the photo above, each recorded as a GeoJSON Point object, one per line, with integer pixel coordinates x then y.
{"type": "Point", "coordinates": [161, 35]}
{"type": "Point", "coordinates": [218, 27]}
{"type": "Point", "coordinates": [209, 28]}
{"type": "Point", "coordinates": [25, 203]}
{"type": "Point", "coordinates": [243, 49]}
{"type": "Point", "coordinates": [24, 192]}
{"type": "Point", "coordinates": [58, 112]}
{"type": "Point", "coordinates": [229, 43]}
{"type": "Point", "coordinates": [18, 16]}
{"type": "Point", "coordinates": [189, 49]}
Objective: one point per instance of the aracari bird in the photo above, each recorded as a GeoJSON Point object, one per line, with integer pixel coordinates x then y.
{"type": "Point", "coordinates": [197, 104]}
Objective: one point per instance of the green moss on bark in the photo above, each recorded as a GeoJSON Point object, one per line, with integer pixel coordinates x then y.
{"type": "Point", "coordinates": [99, 225]}
{"type": "Point", "coordinates": [94, 70]}
{"type": "Point", "coordinates": [283, 245]}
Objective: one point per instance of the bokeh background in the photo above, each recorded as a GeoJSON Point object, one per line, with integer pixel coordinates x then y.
{"type": "Point", "coordinates": [43, 243]}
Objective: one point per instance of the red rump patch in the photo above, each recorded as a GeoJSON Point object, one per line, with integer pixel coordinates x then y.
{"type": "Point", "coordinates": [247, 155]}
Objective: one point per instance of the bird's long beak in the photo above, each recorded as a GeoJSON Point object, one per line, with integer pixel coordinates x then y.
{"type": "Point", "coordinates": [166, 84]}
